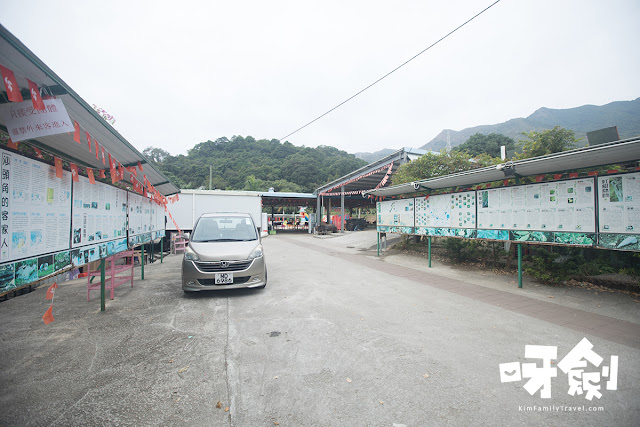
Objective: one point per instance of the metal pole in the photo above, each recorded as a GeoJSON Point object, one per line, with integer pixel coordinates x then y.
{"type": "Point", "coordinates": [519, 265]}
{"type": "Point", "coordinates": [429, 251]}
{"type": "Point", "coordinates": [142, 261]}
{"type": "Point", "coordinates": [161, 249]}
{"type": "Point", "coordinates": [102, 279]}
{"type": "Point", "coordinates": [210, 175]}
{"type": "Point", "coordinates": [342, 209]}
{"type": "Point", "coordinates": [378, 234]}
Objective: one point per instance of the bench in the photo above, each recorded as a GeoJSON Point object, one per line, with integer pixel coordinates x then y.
{"type": "Point", "coordinates": [111, 271]}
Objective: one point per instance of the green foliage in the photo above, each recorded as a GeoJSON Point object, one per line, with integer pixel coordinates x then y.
{"type": "Point", "coordinates": [486, 144]}
{"type": "Point", "coordinates": [431, 165]}
{"type": "Point", "coordinates": [462, 249]}
{"type": "Point", "coordinates": [562, 263]}
{"type": "Point", "coordinates": [244, 163]}
{"type": "Point", "coordinates": [547, 142]}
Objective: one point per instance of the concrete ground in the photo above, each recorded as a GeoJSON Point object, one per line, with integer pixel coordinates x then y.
{"type": "Point", "coordinates": [339, 337]}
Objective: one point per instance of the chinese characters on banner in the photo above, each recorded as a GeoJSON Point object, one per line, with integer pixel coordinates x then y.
{"type": "Point", "coordinates": [25, 122]}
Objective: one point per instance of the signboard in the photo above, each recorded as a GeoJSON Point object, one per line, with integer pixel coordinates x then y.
{"type": "Point", "coordinates": [99, 213]}
{"type": "Point", "coordinates": [139, 219]}
{"type": "Point", "coordinates": [619, 211]}
{"type": "Point", "coordinates": [446, 210]}
{"type": "Point", "coordinates": [565, 206]}
{"type": "Point", "coordinates": [396, 213]}
{"type": "Point", "coordinates": [36, 208]}
{"type": "Point", "coordinates": [24, 122]}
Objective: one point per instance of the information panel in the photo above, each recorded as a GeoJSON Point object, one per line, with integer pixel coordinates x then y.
{"type": "Point", "coordinates": [36, 208]}
{"type": "Point", "coordinates": [446, 210]}
{"type": "Point", "coordinates": [619, 203]}
{"type": "Point", "coordinates": [566, 206]}
{"type": "Point", "coordinates": [398, 213]}
{"type": "Point", "coordinates": [139, 219]}
{"type": "Point", "coordinates": [99, 213]}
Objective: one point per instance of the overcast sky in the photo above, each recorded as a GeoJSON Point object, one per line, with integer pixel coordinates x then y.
{"type": "Point", "coordinates": [174, 74]}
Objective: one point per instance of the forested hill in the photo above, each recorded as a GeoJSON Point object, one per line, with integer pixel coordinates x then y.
{"type": "Point", "coordinates": [244, 163]}
{"type": "Point", "coordinates": [623, 114]}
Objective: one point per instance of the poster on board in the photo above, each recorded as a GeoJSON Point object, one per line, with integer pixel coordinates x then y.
{"type": "Point", "coordinates": [619, 206]}
{"type": "Point", "coordinates": [397, 213]}
{"type": "Point", "coordinates": [565, 206]}
{"type": "Point", "coordinates": [456, 210]}
{"type": "Point", "coordinates": [35, 216]}
{"type": "Point", "coordinates": [99, 213]}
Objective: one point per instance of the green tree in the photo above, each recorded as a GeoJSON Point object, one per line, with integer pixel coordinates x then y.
{"type": "Point", "coordinates": [547, 142]}
{"type": "Point", "coordinates": [486, 144]}
{"type": "Point", "coordinates": [156, 155]}
{"type": "Point", "coordinates": [433, 164]}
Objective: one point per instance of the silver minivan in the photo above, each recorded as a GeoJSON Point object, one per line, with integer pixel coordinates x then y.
{"type": "Point", "coordinates": [225, 252]}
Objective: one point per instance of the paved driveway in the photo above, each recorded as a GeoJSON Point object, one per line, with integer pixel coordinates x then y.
{"type": "Point", "coordinates": [338, 337]}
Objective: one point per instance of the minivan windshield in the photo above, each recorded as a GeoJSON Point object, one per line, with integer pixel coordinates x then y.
{"type": "Point", "coordinates": [224, 229]}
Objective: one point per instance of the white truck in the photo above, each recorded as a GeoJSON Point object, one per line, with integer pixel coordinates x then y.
{"type": "Point", "coordinates": [193, 203]}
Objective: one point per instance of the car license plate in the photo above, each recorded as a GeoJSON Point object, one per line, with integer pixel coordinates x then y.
{"type": "Point", "coordinates": [224, 278]}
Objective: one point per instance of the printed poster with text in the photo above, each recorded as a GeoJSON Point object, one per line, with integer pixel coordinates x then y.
{"type": "Point", "coordinates": [398, 213]}
{"type": "Point", "coordinates": [446, 210]}
{"type": "Point", "coordinates": [139, 215]}
{"type": "Point", "coordinates": [36, 208]}
{"type": "Point", "coordinates": [619, 203]}
{"type": "Point", "coordinates": [99, 213]}
{"type": "Point", "coordinates": [565, 206]}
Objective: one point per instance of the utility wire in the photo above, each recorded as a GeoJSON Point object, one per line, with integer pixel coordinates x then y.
{"type": "Point", "coordinates": [392, 71]}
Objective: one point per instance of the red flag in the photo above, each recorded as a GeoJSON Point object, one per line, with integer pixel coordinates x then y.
{"type": "Point", "coordinates": [38, 153]}
{"type": "Point", "coordinates": [140, 166]}
{"type": "Point", "coordinates": [609, 171]}
{"type": "Point", "coordinates": [97, 148]}
{"type": "Point", "coordinates": [593, 173]}
{"type": "Point", "coordinates": [92, 179]}
{"type": "Point", "coordinates": [48, 316]}
{"type": "Point", "coordinates": [102, 174]}
{"type": "Point", "coordinates": [88, 140]}
{"type": "Point", "coordinates": [539, 178]}
{"type": "Point", "coordinates": [120, 171]}
{"type": "Point", "coordinates": [557, 176]}
{"type": "Point", "coordinates": [505, 182]}
{"type": "Point", "coordinates": [112, 169]}
{"type": "Point", "coordinates": [12, 145]}
{"type": "Point", "coordinates": [74, 172]}
{"type": "Point", "coordinates": [51, 290]}
{"type": "Point", "coordinates": [11, 84]}
{"type": "Point", "coordinates": [76, 132]}
{"type": "Point", "coordinates": [36, 99]}
{"type": "Point", "coordinates": [103, 160]}
{"type": "Point", "coordinates": [58, 163]}
{"type": "Point", "coordinates": [573, 175]}
{"type": "Point", "coordinates": [132, 170]}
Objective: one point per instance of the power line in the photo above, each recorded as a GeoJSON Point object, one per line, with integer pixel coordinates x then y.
{"type": "Point", "coordinates": [392, 71]}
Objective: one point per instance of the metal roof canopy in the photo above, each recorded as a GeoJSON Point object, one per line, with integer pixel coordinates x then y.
{"type": "Point", "coordinates": [364, 182]}
{"type": "Point", "coordinates": [272, 198]}
{"type": "Point", "coordinates": [600, 155]}
{"type": "Point", "coordinates": [26, 65]}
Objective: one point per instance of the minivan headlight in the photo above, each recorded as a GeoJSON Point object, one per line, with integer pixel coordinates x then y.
{"type": "Point", "coordinates": [190, 255]}
{"type": "Point", "coordinates": [256, 253]}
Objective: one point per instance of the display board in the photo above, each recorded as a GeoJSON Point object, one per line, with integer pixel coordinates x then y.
{"type": "Point", "coordinates": [564, 206]}
{"type": "Point", "coordinates": [99, 213]}
{"type": "Point", "coordinates": [139, 219]}
{"type": "Point", "coordinates": [396, 213]}
{"type": "Point", "coordinates": [446, 210]}
{"type": "Point", "coordinates": [36, 208]}
{"type": "Point", "coordinates": [619, 211]}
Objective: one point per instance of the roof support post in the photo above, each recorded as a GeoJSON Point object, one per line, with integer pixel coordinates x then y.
{"type": "Point", "coordinates": [342, 209]}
